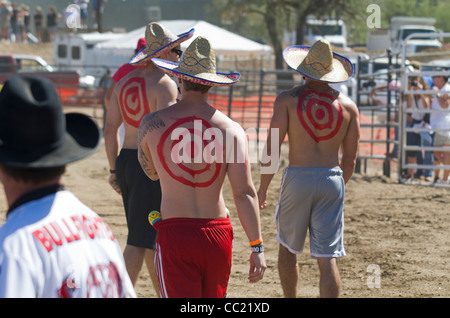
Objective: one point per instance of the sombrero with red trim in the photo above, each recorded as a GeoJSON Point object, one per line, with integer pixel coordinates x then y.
{"type": "Point", "coordinates": [158, 39]}
{"type": "Point", "coordinates": [198, 65]}
{"type": "Point", "coordinates": [319, 62]}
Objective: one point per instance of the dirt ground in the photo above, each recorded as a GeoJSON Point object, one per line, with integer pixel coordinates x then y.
{"type": "Point", "coordinates": [396, 236]}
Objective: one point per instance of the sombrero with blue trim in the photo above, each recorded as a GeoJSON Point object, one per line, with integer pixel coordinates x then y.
{"type": "Point", "coordinates": [158, 40]}
{"type": "Point", "coordinates": [319, 62]}
{"type": "Point", "coordinates": [198, 65]}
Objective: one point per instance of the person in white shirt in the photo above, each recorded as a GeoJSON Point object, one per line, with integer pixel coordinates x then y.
{"type": "Point", "coordinates": [417, 119]}
{"type": "Point", "coordinates": [51, 244]}
{"type": "Point", "coordinates": [441, 121]}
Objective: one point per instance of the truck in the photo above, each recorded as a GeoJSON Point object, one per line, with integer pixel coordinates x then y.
{"type": "Point", "coordinates": [76, 51]}
{"type": "Point", "coordinates": [73, 88]}
{"type": "Point", "coordinates": [333, 30]}
{"type": "Point", "coordinates": [400, 28]}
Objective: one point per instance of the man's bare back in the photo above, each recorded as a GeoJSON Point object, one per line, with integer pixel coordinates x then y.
{"type": "Point", "coordinates": [319, 121]}
{"type": "Point", "coordinates": [143, 91]}
{"type": "Point", "coordinates": [190, 154]}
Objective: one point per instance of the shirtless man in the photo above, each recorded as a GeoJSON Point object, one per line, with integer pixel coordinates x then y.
{"type": "Point", "coordinates": [318, 121]}
{"type": "Point", "coordinates": [191, 147]}
{"type": "Point", "coordinates": [142, 91]}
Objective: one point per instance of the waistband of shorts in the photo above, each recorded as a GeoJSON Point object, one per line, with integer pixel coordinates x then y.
{"type": "Point", "coordinates": [193, 222]}
{"type": "Point", "coordinates": [128, 151]}
{"type": "Point", "coordinates": [315, 171]}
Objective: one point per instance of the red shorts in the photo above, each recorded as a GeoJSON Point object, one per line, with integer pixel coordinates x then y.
{"type": "Point", "coordinates": [193, 257]}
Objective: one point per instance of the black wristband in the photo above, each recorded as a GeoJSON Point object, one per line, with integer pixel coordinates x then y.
{"type": "Point", "coordinates": [112, 171]}
{"type": "Point", "coordinates": [258, 248]}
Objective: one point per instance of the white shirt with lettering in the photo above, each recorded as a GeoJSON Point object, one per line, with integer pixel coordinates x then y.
{"type": "Point", "coordinates": [56, 246]}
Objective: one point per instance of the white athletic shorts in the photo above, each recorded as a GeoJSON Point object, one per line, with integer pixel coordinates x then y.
{"type": "Point", "coordinates": [312, 198]}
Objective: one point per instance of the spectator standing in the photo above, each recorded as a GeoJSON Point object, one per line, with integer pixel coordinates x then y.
{"type": "Point", "coordinates": [26, 22]}
{"type": "Point", "coordinates": [20, 24]}
{"type": "Point", "coordinates": [38, 23]}
{"type": "Point", "coordinates": [13, 22]}
{"type": "Point", "coordinates": [83, 4]}
{"type": "Point", "coordinates": [441, 120]}
{"type": "Point", "coordinates": [417, 120]}
{"type": "Point", "coordinates": [52, 22]}
{"type": "Point", "coordinates": [5, 20]}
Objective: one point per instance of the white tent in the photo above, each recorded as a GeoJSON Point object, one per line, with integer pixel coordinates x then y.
{"type": "Point", "coordinates": [225, 44]}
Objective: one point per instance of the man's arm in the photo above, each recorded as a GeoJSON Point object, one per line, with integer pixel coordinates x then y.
{"type": "Point", "coordinates": [246, 201]}
{"type": "Point", "coordinates": [148, 124]}
{"type": "Point", "coordinates": [350, 144]}
{"type": "Point", "coordinates": [272, 150]}
{"type": "Point", "coordinates": [111, 135]}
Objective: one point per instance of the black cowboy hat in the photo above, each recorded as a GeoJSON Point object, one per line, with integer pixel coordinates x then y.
{"type": "Point", "coordinates": [35, 133]}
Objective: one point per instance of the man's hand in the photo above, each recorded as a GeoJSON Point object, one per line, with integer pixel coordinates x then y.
{"type": "Point", "coordinates": [113, 183]}
{"type": "Point", "coordinates": [262, 196]}
{"type": "Point", "coordinates": [257, 267]}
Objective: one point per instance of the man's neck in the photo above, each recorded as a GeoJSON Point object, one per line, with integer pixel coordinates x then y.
{"type": "Point", "coordinates": [317, 85]}
{"type": "Point", "coordinates": [194, 96]}
{"type": "Point", "coordinates": [14, 189]}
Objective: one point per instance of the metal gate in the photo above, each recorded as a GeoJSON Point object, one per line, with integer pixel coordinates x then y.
{"type": "Point", "coordinates": [378, 116]}
{"type": "Point", "coordinates": [417, 129]}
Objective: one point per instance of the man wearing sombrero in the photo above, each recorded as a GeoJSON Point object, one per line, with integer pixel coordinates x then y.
{"type": "Point", "coordinates": [142, 91]}
{"type": "Point", "coordinates": [51, 244]}
{"type": "Point", "coordinates": [191, 147]}
{"type": "Point", "coordinates": [318, 121]}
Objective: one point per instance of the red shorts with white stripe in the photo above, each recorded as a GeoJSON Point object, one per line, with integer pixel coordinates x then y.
{"type": "Point", "coordinates": [193, 257]}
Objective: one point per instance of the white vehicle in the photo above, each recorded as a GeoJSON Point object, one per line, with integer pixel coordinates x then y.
{"type": "Point", "coordinates": [401, 28]}
{"type": "Point", "coordinates": [76, 52]}
{"type": "Point", "coordinates": [334, 31]}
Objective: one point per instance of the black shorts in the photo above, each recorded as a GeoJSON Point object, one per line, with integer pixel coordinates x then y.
{"type": "Point", "coordinates": [140, 196]}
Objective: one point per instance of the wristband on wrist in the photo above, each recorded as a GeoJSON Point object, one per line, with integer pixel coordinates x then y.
{"type": "Point", "coordinates": [112, 171]}
{"type": "Point", "coordinates": [258, 241]}
{"type": "Point", "coordinates": [258, 248]}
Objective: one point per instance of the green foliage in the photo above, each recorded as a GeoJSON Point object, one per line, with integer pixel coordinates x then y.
{"type": "Point", "coordinates": [249, 17]}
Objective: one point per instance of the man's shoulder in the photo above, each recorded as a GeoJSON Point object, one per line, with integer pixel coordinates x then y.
{"type": "Point", "coordinates": [347, 103]}
{"type": "Point", "coordinates": [292, 92]}
{"type": "Point", "coordinates": [153, 120]}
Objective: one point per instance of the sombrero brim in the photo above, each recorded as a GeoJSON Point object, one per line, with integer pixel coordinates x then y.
{"type": "Point", "coordinates": [81, 140]}
{"type": "Point", "coordinates": [144, 54]}
{"type": "Point", "coordinates": [209, 79]}
{"type": "Point", "coordinates": [342, 69]}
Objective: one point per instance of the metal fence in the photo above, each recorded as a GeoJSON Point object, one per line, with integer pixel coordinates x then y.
{"type": "Point", "coordinates": [436, 151]}
{"type": "Point", "coordinates": [377, 100]}
{"type": "Point", "coordinates": [383, 131]}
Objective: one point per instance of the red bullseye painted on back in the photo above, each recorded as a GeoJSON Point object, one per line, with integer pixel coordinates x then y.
{"type": "Point", "coordinates": [133, 101]}
{"type": "Point", "coordinates": [318, 116]}
{"type": "Point", "coordinates": [205, 172]}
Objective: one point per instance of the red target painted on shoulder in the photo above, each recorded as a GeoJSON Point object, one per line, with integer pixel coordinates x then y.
{"type": "Point", "coordinates": [191, 152]}
{"type": "Point", "coordinates": [133, 101]}
{"type": "Point", "coordinates": [318, 116]}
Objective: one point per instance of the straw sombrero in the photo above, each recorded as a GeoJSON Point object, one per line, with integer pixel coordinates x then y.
{"type": "Point", "coordinates": [198, 65]}
{"type": "Point", "coordinates": [319, 62]}
{"type": "Point", "coordinates": [158, 40]}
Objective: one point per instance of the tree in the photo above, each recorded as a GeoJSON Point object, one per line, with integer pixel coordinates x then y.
{"type": "Point", "coordinates": [278, 14]}
{"type": "Point", "coordinates": [322, 8]}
